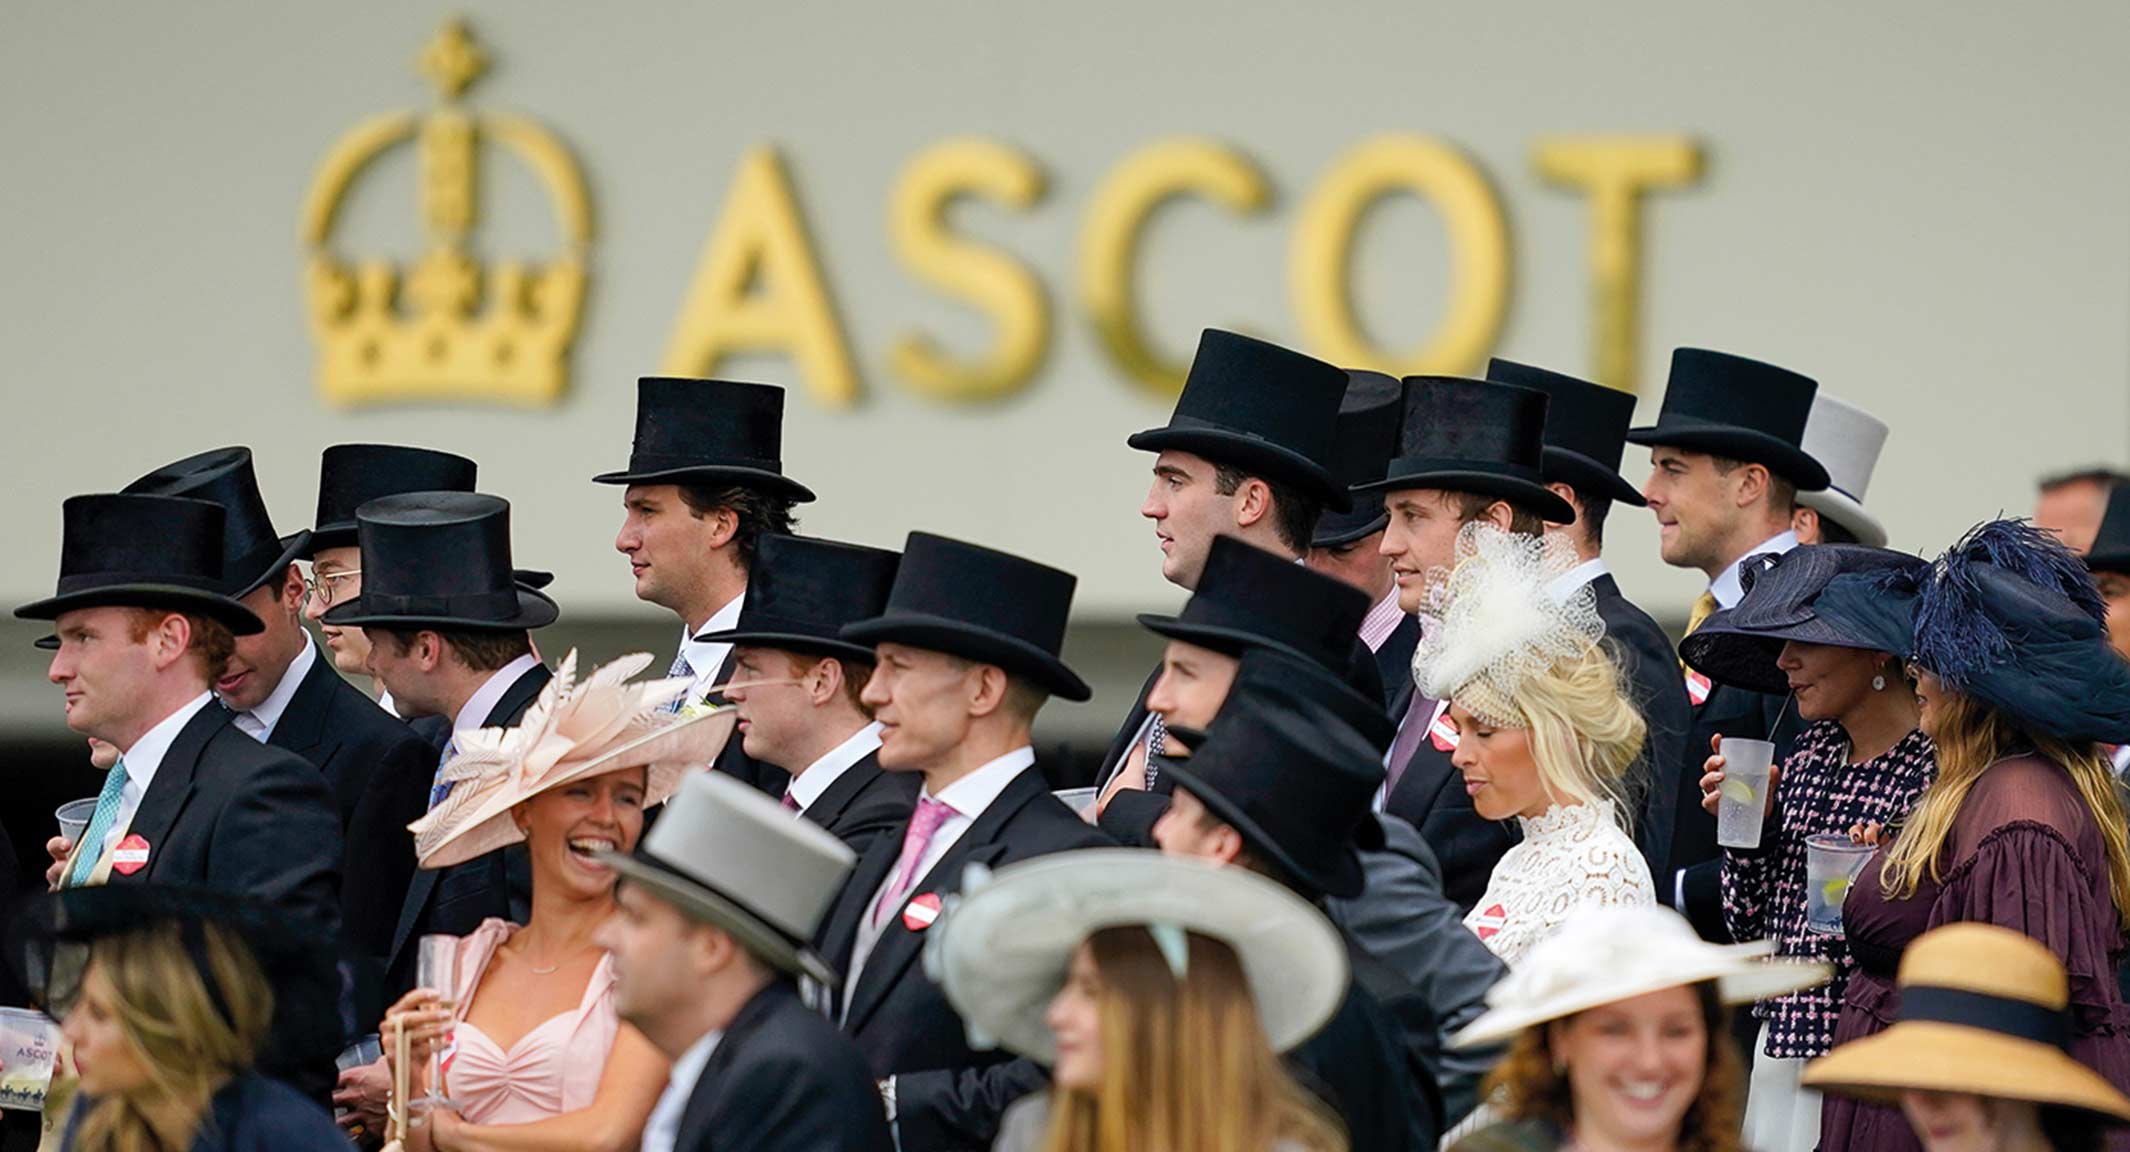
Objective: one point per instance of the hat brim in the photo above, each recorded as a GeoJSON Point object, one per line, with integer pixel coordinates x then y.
{"type": "Point", "coordinates": [293, 548]}
{"type": "Point", "coordinates": [1227, 641]}
{"type": "Point", "coordinates": [1932, 1056]}
{"type": "Point", "coordinates": [789, 642]}
{"type": "Point", "coordinates": [971, 642]}
{"type": "Point", "coordinates": [1751, 445]}
{"type": "Point", "coordinates": [1587, 475]}
{"type": "Point", "coordinates": [1533, 496]}
{"type": "Point", "coordinates": [46, 643]}
{"type": "Point", "coordinates": [1742, 974]}
{"type": "Point", "coordinates": [316, 540]}
{"type": "Point", "coordinates": [2108, 560]}
{"type": "Point", "coordinates": [667, 755]}
{"type": "Point", "coordinates": [1002, 952]}
{"type": "Point", "coordinates": [1745, 657]}
{"type": "Point", "coordinates": [1341, 877]}
{"type": "Point", "coordinates": [691, 898]}
{"type": "Point", "coordinates": [775, 483]}
{"type": "Point", "coordinates": [535, 610]}
{"type": "Point", "coordinates": [1252, 455]}
{"type": "Point", "coordinates": [240, 621]}
{"type": "Point", "coordinates": [1337, 530]}
{"type": "Point", "coordinates": [1848, 513]}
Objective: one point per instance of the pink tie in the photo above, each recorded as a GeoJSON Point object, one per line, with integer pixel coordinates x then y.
{"type": "Point", "coordinates": [790, 802]}
{"type": "Point", "coordinates": [924, 822]}
{"type": "Point", "coordinates": [1418, 711]}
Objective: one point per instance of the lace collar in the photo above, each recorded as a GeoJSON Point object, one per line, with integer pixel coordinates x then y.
{"type": "Point", "coordinates": [1565, 820]}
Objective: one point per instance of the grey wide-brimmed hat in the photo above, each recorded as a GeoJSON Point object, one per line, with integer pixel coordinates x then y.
{"type": "Point", "coordinates": [1847, 440]}
{"type": "Point", "coordinates": [1739, 645]}
{"type": "Point", "coordinates": [1001, 952]}
{"type": "Point", "coordinates": [727, 854]}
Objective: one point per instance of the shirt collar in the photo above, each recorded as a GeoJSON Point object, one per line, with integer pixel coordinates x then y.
{"type": "Point", "coordinates": [1728, 588]}
{"type": "Point", "coordinates": [1382, 620]}
{"type": "Point", "coordinates": [483, 701]}
{"type": "Point", "coordinates": [1567, 583]}
{"type": "Point", "coordinates": [688, 1067]}
{"type": "Point", "coordinates": [269, 711]}
{"type": "Point", "coordinates": [807, 786]}
{"type": "Point", "coordinates": [971, 794]}
{"type": "Point", "coordinates": [706, 659]}
{"type": "Point", "coordinates": [146, 756]}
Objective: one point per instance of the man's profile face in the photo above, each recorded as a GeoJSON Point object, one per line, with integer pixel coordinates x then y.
{"type": "Point", "coordinates": [1188, 510]}
{"type": "Point", "coordinates": [103, 665]}
{"type": "Point", "coordinates": [2073, 512]}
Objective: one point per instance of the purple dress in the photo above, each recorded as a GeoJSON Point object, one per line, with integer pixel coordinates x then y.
{"type": "Point", "coordinates": [2026, 854]}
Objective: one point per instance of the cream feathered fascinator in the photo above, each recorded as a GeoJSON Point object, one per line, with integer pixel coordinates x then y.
{"type": "Point", "coordinates": [574, 731]}
{"type": "Point", "coordinates": [1498, 622]}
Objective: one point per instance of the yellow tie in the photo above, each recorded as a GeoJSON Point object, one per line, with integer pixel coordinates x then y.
{"type": "Point", "coordinates": [1704, 607]}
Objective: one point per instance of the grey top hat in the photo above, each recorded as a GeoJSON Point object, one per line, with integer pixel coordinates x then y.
{"type": "Point", "coordinates": [729, 855]}
{"type": "Point", "coordinates": [1847, 440]}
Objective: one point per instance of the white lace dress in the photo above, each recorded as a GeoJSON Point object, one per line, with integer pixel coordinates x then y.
{"type": "Point", "coordinates": [1570, 856]}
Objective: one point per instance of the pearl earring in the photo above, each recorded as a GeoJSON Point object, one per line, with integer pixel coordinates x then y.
{"type": "Point", "coordinates": [1878, 683]}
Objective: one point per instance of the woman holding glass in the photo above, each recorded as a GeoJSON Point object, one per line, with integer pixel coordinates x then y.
{"type": "Point", "coordinates": [531, 1053]}
{"type": "Point", "coordinates": [1860, 761]}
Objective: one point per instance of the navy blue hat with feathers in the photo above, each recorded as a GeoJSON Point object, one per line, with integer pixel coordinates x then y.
{"type": "Point", "coordinates": [2010, 616]}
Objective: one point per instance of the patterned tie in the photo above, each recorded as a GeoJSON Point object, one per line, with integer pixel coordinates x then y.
{"type": "Point", "coordinates": [681, 668]}
{"type": "Point", "coordinates": [924, 822]}
{"type": "Point", "coordinates": [1157, 743]}
{"type": "Point", "coordinates": [438, 786]}
{"type": "Point", "coordinates": [1704, 607]}
{"type": "Point", "coordinates": [1418, 712]}
{"type": "Point", "coordinates": [90, 846]}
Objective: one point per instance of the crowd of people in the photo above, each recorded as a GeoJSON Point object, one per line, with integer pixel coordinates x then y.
{"type": "Point", "coordinates": [1420, 835]}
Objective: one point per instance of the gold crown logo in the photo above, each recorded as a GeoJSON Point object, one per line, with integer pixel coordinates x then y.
{"type": "Point", "coordinates": [446, 327]}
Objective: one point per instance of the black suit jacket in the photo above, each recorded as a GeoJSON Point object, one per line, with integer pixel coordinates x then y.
{"type": "Point", "coordinates": [1430, 796]}
{"type": "Point", "coordinates": [1368, 1064]}
{"type": "Point", "coordinates": [1651, 673]}
{"type": "Point", "coordinates": [948, 1095]}
{"type": "Point", "coordinates": [453, 901]}
{"type": "Point", "coordinates": [866, 802]}
{"type": "Point", "coordinates": [782, 1079]}
{"type": "Point", "coordinates": [1394, 660]}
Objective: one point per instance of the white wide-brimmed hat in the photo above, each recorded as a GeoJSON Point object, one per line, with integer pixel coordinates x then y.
{"type": "Point", "coordinates": [1602, 955]}
{"type": "Point", "coordinates": [1847, 440]}
{"type": "Point", "coordinates": [573, 731]}
{"type": "Point", "coordinates": [1002, 952]}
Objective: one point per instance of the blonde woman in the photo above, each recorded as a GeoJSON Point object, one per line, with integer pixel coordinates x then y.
{"type": "Point", "coordinates": [1544, 734]}
{"type": "Point", "coordinates": [1159, 989]}
{"type": "Point", "coordinates": [173, 1001]}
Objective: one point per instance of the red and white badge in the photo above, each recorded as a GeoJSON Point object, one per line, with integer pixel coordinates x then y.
{"type": "Point", "coordinates": [130, 856]}
{"type": "Point", "coordinates": [918, 914]}
{"type": "Point", "coordinates": [1440, 731]}
{"type": "Point", "coordinates": [1490, 921]}
{"type": "Point", "coordinates": [1697, 688]}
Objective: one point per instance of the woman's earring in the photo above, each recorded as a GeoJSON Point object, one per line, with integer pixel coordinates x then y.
{"type": "Point", "coordinates": [1878, 683]}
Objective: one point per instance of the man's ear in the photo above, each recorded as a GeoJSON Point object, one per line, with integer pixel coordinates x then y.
{"type": "Point", "coordinates": [1253, 502]}
{"type": "Point", "coordinates": [1749, 484]}
{"type": "Point", "coordinates": [987, 689]}
{"type": "Point", "coordinates": [172, 637]}
{"type": "Point", "coordinates": [724, 525]}
{"type": "Point", "coordinates": [824, 681]}
{"type": "Point", "coordinates": [1227, 844]}
{"type": "Point", "coordinates": [1500, 515]}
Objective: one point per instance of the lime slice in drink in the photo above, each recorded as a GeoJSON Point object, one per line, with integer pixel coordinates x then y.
{"type": "Point", "coordinates": [1738, 791]}
{"type": "Point", "coordinates": [1833, 890]}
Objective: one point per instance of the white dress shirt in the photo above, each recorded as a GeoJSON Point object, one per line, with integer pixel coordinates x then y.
{"type": "Point", "coordinates": [1382, 620]}
{"type": "Point", "coordinates": [1570, 582]}
{"type": "Point", "coordinates": [474, 713]}
{"type": "Point", "coordinates": [259, 722]}
{"type": "Point", "coordinates": [807, 786]}
{"type": "Point", "coordinates": [1728, 588]}
{"type": "Point", "coordinates": [663, 1128]}
{"type": "Point", "coordinates": [143, 760]}
{"type": "Point", "coordinates": [709, 659]}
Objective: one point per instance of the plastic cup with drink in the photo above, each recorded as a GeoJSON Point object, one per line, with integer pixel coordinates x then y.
{"type": "Point", "coordinates": [1742, 801]}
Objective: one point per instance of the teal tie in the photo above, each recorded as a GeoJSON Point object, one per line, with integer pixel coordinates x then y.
{"type": "Point", "coordinates": [90, 846]}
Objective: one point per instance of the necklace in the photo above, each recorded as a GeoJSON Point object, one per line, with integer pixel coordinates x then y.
{"type": "Point", "coordinates": [557, 965]}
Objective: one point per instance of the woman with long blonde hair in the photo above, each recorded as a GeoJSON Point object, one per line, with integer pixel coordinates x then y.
{"type": "Point", "coordinates": [1159, 989]}
{"type": "Point", "coordinates": [2023, 827]}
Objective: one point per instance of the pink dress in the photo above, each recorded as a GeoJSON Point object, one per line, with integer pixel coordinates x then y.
{"type": "Point", "coordinates": [553, 1069]}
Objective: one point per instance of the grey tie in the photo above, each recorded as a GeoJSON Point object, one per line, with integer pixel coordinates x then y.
{"type": "Point", "coordinates": [681, 669]}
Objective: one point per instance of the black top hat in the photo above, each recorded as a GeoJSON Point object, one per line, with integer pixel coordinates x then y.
{"type": "Point", "coordinates": [48, 948]}
{"type": "Point", "coordinates": [801, 593]}
{"type": "Point", "coordinates": [709, 432]}
{"type": "Point", "coordinates": [1293, 779]}
{"type": "Point", "coordinates": [1463, 435]}
{"type": "Point", "coordinates": [1261, 408]}
{"type": "Point", "coordinates": [439, 560]}
{"type": "Point", "coordinates": [352, 475]}
{"type": "Point", "coordinates": [1730, 406]}
{"type": "Point", "coordinates": [1312, 688]}
{"type": "Point", "coordinates": [251, 553]}
{"type": "Point", "coordinates": [1367, 438]}
{"type": "Point", "coordinates": [983, 605]}
{"type": "Point", "coordinates": [134, 550]}
{"type": "Point", "coordinates": [1586, 429]}
{"type": "Point", "coordinates": [2111, 544]}
{"type": "Point", "coordinates": [1250, 598]}
{"type": "Point", "coordinates": [1740, 645]}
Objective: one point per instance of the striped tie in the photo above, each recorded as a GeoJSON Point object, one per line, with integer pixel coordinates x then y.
{"type": "Point", "coordinates": [438, 786]}
{"type": "Point", "coordinates": [90, 846]}
{"type": "Point", "coordinates": [681, 669]}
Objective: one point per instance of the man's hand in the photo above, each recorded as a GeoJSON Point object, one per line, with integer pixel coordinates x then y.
{"type": "Point", "coordinates": [362, 1091]}
{"type": "Point", "coordinates": [58, 848]}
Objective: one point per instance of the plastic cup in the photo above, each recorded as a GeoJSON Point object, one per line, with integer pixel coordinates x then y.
{"type": "Point", "coordinates": [29, 1043]}
{"type": "Point", "coordinates": [1742, 802]}
{"type": "Point", "coordinates": [74, 816]}
{"type": "Point", "coordinates": [1832, 862]}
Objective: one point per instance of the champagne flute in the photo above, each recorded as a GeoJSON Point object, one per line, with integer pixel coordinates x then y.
{"type": "Point", "coordinates": [437, 969]}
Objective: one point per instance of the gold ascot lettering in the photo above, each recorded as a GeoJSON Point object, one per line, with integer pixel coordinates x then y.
{"type": "Point", "coordinates": [1615, 172]}
{"type": "Point", "coordinates": [1117, 217]}
{"type": "Point", "coordinates": [983, 277]}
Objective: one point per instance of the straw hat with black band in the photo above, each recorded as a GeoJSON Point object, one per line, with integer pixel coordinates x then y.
{"type": "Point", "coordinates": [1983, 1011]}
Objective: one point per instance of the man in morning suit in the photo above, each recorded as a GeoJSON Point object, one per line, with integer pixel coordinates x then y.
{"type": "Point", "coordinates": [1586, 434]}
{"type": "Point", "coordinates": [145, 628]}
{"type": "Point", "coordinates": [286, 694]}
{"type": "Point", "coordinates": [1727, 462]}
{"type": "Point", "coordinates": [704, 483]}
{"type": "Point", "coordinates": [1468, 450]}
{"type": "Point", "coordinates": [1349, 545]}
{"type": "Point", "coordinates": [709, 940]}
{"type": "Point", "coordinates": [796, 683]}
{"type": "Point", "coordinates": [967, 653]}
{"type": "Point", "coordinates": [1282, 786]}
{"type": "Point", "coordinates": [1246, 453]}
